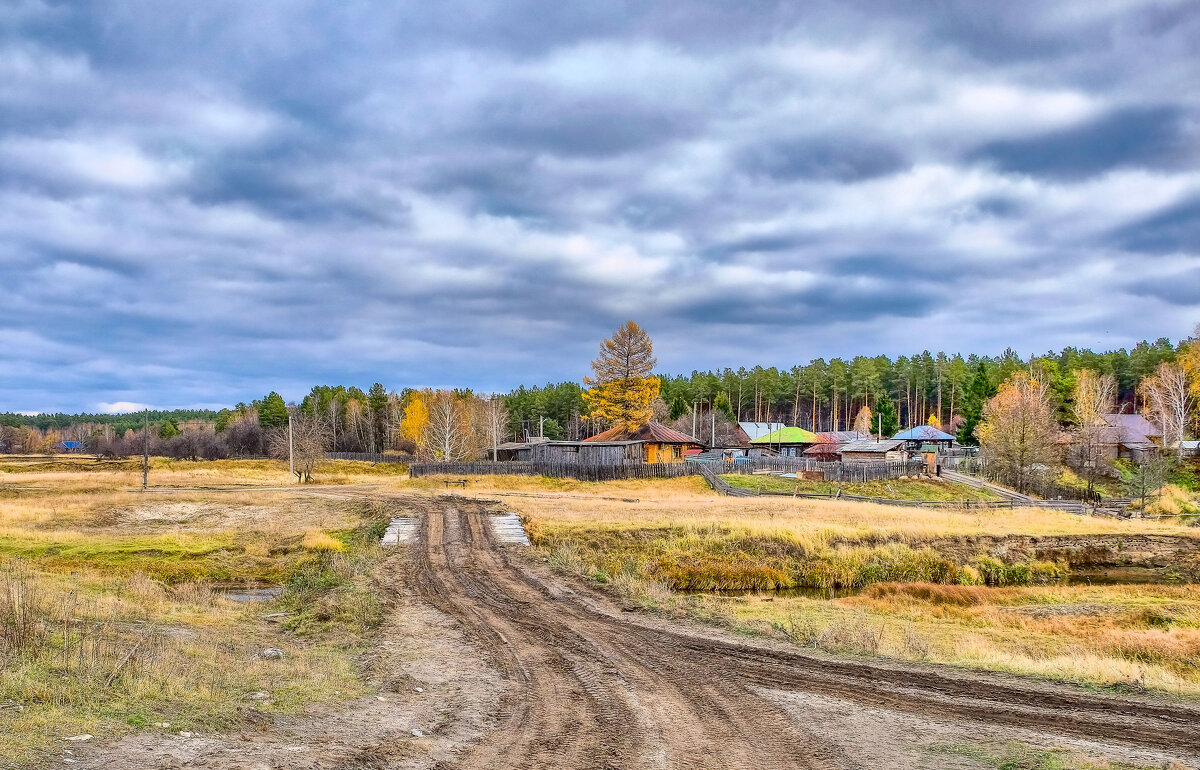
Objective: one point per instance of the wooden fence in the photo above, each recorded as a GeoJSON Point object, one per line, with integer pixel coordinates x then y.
{"type": "Point", "coordinates": [846, 472]}
{"type": "Point", "coordinates": [559, 470]}
{"type": "Point", "coordinates": [372, 457]}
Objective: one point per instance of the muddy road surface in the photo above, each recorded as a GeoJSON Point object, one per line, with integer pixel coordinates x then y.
{"type": "Point", "coordinates": [524, 669]}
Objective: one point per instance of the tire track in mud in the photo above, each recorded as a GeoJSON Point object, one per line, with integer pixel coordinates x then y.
{"type": "Point", "coordinates": [584, 693]}
{"type": "Point", "coordinates": [589, 687]}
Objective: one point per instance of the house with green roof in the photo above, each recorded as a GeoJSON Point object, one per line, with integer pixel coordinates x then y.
{"type": "Point", "coordinates": [788, 442]}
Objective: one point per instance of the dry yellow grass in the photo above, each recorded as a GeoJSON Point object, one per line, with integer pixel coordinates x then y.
{"type": "Point", "coordinates": [122, 562]}
{"type": "Point", "coordinates": [1123, 636]}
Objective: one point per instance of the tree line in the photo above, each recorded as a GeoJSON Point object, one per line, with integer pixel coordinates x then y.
{"type": "Point", "coordinates": [940, 388]}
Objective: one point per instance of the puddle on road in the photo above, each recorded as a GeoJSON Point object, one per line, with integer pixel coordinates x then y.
{"type": "Point", "coordinates": [508, 529]}
{"type": "Point", "coordinates": [401, 530]}
{"type": "Point", "coordinates": [247, 594]}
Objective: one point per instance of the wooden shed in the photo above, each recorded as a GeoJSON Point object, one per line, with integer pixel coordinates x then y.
{"type": "Point", "coordinates": [890, 450]}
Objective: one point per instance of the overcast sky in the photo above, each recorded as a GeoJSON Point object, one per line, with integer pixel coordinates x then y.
{"type": "Point", "coordinates": [201, 202]}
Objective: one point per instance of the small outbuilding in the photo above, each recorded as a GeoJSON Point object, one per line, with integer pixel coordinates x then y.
{"type": "Point", "coordinates": [886, 450]}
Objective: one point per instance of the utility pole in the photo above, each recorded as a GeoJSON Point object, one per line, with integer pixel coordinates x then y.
{"type": "Point", "coordinates": [713, 434]}
{"type": "Point", "coordinates": [693, 417]}
{"type": "Point", "coordinates": [291, 460]}
{"type": "Point", "coordinates": [880, 416]}
{"type": "Point", "coordinates": [542, 426]}
{"type": "Point", "coordinates": [145, 449]}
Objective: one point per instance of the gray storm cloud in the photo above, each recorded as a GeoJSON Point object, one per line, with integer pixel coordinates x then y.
{"type": "Point", "coordinates": [202, 203]}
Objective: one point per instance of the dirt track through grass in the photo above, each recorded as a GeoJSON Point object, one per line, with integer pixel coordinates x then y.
{"type": "Point", "coordinates": [585, 684]}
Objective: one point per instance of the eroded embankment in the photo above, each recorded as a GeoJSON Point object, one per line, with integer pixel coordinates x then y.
{"type": "Point", "coordinates": [714, 558]}
{"type": "Point", "coordinates": [1173, 552]}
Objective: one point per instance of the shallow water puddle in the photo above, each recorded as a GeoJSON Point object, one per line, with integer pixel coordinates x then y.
{"type": "Point", "coordinates": [243, 594]}
{"type": "Point", "coordinates": [508, 529]}
{"type": "Point", "coordinates": [401, 530]}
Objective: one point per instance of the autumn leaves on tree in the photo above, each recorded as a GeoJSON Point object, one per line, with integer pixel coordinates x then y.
{"type": "Point", "coordinates": [624, 386]}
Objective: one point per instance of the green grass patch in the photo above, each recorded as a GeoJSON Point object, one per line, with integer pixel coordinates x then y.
{"type": "Point", "coordinates": [890, 489]}
{"type": "Point", "coordinates": [1019, 756]}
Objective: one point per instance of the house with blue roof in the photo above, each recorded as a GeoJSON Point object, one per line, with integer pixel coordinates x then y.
{"type": "Point", "coordinates": [70, 447]}
{"type": "Point", "coordinates": [918, 438]}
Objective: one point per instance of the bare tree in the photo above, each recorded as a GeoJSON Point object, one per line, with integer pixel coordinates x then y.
{"type": "Point", "coordinates": [448, 433]}
{"type": "Point", "coordinates": [1095, 396]}
{"type": "Point", "coordinates": [492, 420]}
{"type": "Point", "coordinates": [1018, 432]}
{"type": "Point", "coordinates": [310, 436]}
{"type": "Point", "coordinates": [1168, 399]}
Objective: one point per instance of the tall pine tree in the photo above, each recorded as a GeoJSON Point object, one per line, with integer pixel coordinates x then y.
{"type": "Point", "coordinates": [978, 392]}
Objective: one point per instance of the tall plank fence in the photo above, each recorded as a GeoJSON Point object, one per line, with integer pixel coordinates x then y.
{"type": "Point", "coordinates": [372, 457]}
{"type": "Point", "coordinates": [830, 471]}
{"type": "Point", "coordinates": [558, 470]}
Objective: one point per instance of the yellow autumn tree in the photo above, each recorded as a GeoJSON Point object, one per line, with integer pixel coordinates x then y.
{"type": "Point", "coordinates": [416, 422]}
{"type": "Point", "coordinates": [1189, 359]}
{"type": "Point", "coordinates": [934, 422]}
{"type": "Point", "coordinates": [862, 421]}
{"type": "Point", "coordinates": [624, 385]}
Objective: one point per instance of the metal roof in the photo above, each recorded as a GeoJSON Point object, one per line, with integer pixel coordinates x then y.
{"type": "Point", "coordinates": [924, 433]}
{"type": "Point", "coordinates": [843, 436]}
{"type": "Point", "coordinates": [758, 429]}
{"type": "Point", "coordinates": [881, 447]}
{"type": "Point", "coordinates": [789, 436]}
{"type": "Point", "coordinates": [1135, 424]}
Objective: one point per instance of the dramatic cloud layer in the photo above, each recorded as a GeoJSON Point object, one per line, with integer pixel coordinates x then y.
{"type": "Point", "coordinates": [203, 201]}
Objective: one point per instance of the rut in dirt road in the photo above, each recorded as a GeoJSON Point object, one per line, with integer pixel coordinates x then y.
{"type": "Point", "coordinates": [588, 687]}
{"type": "Point", "coordinates": [583, 694]}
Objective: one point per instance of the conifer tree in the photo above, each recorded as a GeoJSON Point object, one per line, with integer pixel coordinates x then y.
{"type": "Point", "coordinates": [624, 384]}
{"type": "Point", "coordinates": [978, 392]}
{"type": "Point", "coordinates": [272, 411]}
{"type": "Point", "coordinates": [887, 420]}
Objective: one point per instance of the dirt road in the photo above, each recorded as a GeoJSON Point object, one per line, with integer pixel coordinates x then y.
{"type": "Point", "coordinates": [568, 680]}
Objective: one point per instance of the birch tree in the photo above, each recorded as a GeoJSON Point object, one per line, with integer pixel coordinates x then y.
{"type": "Point", "coordinates": [1168, 398]}
{"type": "Point", "coordinates": [448, 432]}
{"type": "Point", "coordinates": [1094, 396]}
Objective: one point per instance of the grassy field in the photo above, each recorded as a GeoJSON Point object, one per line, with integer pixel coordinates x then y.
{"type": "Point", "coordinates": [102, 570]}
{"type": "Point", "coordinates": [687, 538]}
{"type": "Point", "coordinates": [892, 489]}
{"type": "Point", "coordinates": [1123, 637]}
{"type": "Point", "coordinates": [113, 615]}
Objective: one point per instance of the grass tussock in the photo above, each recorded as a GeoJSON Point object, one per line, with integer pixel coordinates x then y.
{"type": "Point", "coordinates": [316, 540]}
{"type": "Point", "coordinates": [1120, 637]}
{"type": "Point", "coordinates": [1173, 500]}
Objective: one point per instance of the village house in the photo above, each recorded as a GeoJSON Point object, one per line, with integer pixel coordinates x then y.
{"type": "Point", "coordinates": [889, 450]}
{"type": "Point", "coordinates": [920, 438]}
{"type": "Point", "coordinates": [1130, 437]}
{"type": "Point", "coordinates": [658, 443]}
{"type": "Point", "coordinates": [787, 442]}
{"type": "Point", "coordinates": [832, 441]}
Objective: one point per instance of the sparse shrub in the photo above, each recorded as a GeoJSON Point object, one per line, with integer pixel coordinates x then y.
{"type": "Point", "coordinates": [199, 594]}
{"type": "Point", "coordinates": [956, 595]}
{"type": "Point", "coordinates": [915, 645]}
{"type": "Point", "coordinates": [969, 576]}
